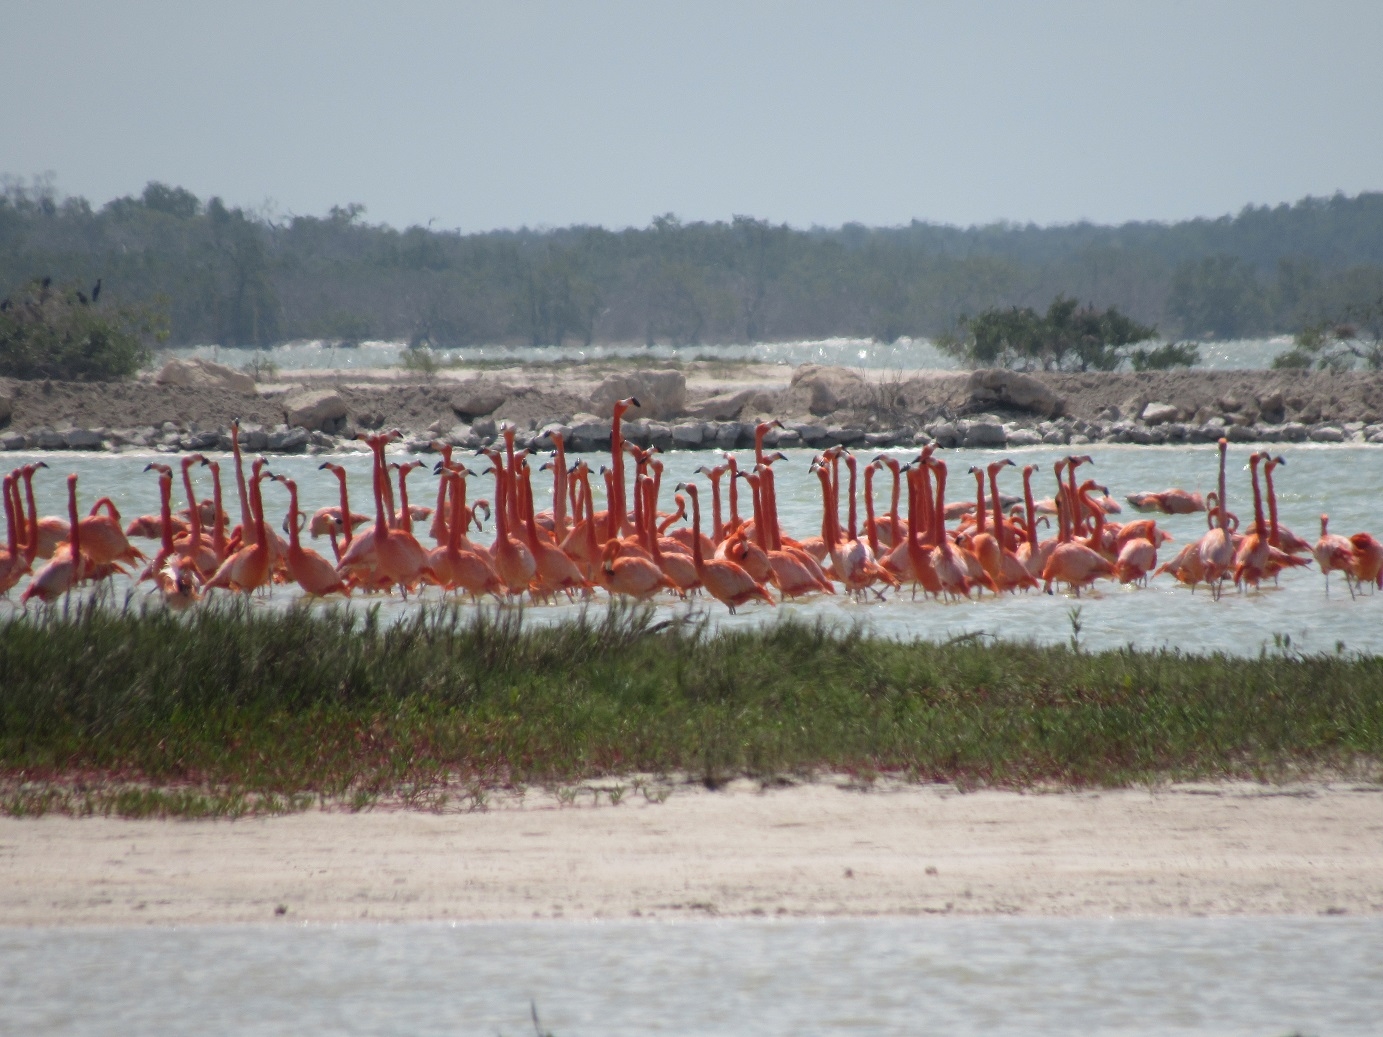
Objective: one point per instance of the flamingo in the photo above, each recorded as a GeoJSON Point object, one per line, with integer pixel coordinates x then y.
{"type": "Point", "coordinates": [247, 569]}
{"type": "Point", "coordinates": [723, 579]}
{"type": "Point", "coordinates": [13, 563]}
{"type": "Point", "coordinates": [173, 574]}
{"type": "Point", "coordinates": [68, 567]}
{"type": "Point", "coordinates": [313, 573]}
{"type": "Point", "coordinates": [1254, 553]}
{"type": "Point", "coordinates": [1167, 502]}
{"type": "Point", "coordinates": [1074, 562]}
{"type": "Point", "coordinates": [458, 565]}
{"type": "Point", "coordinates": [1334, 553]}
{"type": "Point", "coordinates": [1216, 547]}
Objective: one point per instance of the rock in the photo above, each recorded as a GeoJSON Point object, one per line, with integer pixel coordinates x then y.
{"type": "Point", "coordinates": [981, 433]}
{"type": "Point", "coordinates": [589, 435]}
{"type": "Point", "coordinates": [635, 432]}
{"type": "Point", "coordinates": [784, 439]}
{"type": "Point", "coordinates": [1240, 434]}
{"type": "Point", "coordinates": [209, 439]}
{"type": "Point", "coordinates": [885, 439]}
{"type": "Point", "coordinates": [462, 436]}
{"type": "Point", "coordinates": [6, 409]}
{"type": "Point", "coordinates": [317, 410]}
{"type": "Point", "coordinates": [1160, 413]}
{"type": "Point", "coordinates": [943, 433]}
{"type": "Point", "coordinates": [825, 389]}
{"type": "Point", "coordinates": [288, 440]}
{"type": "Point", "coordinates": [725, 406]}
{"type": "Point", "coordinates": [688, 435]}
{"type": "Point", "coordinates": [1293, 432]}
{"type": "Point", "coordinates": [1056, 437]}
{"type": "Point", "coordinates": [253, 438]}
{"type": "Point", "coordinates": [660, 435]}
{"type": "Point", "coordinates": [203, 374]}
{"type": "Point", "coordinates": [1024, 437]}
{"type": "Point", "coordinates": [14, 441]}
{"type": "Point", "coordinates": [809, 432]}
{"type": "Point", "coordinates": [479, 397]}
{"type": "Point", "coordinates": [661, 394]}
{"type": "Point", "coordinates": [82, 439]}
{"type": "Point", "coordinates": [1327, 434]}
{"type": "Point", "coordinates": [729, 435]}
{"type": "Point", "coordinates": [47, 439]}
{"type": "Point", "coordinates": [1272, 407]}
{"type": "Point", "coordinates": [845, 436]}
{"type": "Point", "coordinates": [485, 429]}
{"type": "Point", "coordinates": [1374, 437]}
{"type": "Point", "coordinates": [1012, 389]}
{"type": "Point", "coordinates": [1079, 439]}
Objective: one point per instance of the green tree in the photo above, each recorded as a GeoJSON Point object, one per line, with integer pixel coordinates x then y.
{"type": "Point", "coordinates": [57, 332]}
{"type": "Point", "coordinates": [1068, 337]}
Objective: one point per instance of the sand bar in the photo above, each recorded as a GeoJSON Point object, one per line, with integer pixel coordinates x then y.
{"type": "Point", "coordinates": [815, 849]}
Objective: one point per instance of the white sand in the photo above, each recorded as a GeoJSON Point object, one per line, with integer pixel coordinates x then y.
{"type": "Point", "coordinates": [817, 849]}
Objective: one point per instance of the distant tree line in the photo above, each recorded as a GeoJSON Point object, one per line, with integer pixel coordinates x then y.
{"type": "Point", "coordinates": [245, 278]}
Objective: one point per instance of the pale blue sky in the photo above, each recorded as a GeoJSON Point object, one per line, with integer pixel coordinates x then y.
{"type": "Point", "coordinates": [547, 114]}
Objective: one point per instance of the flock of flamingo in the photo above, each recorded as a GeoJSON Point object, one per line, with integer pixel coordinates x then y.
{"type": "Point", "coordinates": [631, 548]}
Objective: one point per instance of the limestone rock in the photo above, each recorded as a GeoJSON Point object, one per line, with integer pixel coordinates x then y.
{"type": "Point", "coordinates": [725, 406]}
{"type": "Point", "coordinates": [288, 440]}
{"type": "Point", "coordinates": [479, 397]}
{"type": "Point", "coordinates": [845, 436]}
{"type": "Point", "coordinates": [1160, 413]}
{"type": "Point", "coordinates": [995, 387]}
{"type": "Point", "coordinates": [1024, 437]}
{"type": "Point", "coordinates": [203, 374]}
{"type": "Point", "coordinates": [688, 435]}
{"type": "Point", "coordinates": [6, 409]}
{"type": "Point", "coordinates": [317, 410]}
{"type": "Point", "coordinates": [253, 439]}
{"type": "Point", "coordinates": [981, 433]}
{"type": "Point", "coordinates": [589, 434]}
{"type": "Point", "coordinates": [82, 439]}
{"type": "Point", "coordinates": [661, 394]}
{"type": "Point", "coordinates": [825, 390]}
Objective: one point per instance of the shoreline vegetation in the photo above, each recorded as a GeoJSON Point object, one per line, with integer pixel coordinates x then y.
{"type": "Point", "coordinates": [241, 277]}
{"type": "Point", "coordinates": [231, 711]}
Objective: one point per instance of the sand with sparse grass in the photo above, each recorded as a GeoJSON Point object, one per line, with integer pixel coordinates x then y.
{"type": "Point", "coordinates": [820, 848]}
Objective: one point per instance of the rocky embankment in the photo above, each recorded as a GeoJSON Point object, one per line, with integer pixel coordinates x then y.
{"type": "Point", "coordinates": [189, 406]}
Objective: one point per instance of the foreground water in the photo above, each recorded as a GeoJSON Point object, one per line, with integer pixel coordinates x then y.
{"type": "Point", "coordinates": [1249, 976]}
{"type": "Point", "coordinates": [905, 354]}
{"type": "Point", "coordinates": [1346, 481]}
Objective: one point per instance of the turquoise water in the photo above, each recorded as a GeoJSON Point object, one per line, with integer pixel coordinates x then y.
{"type": "Point", "coordinates": [959, 977]}
{"type": "Point", "coordinates": [1346, 481]}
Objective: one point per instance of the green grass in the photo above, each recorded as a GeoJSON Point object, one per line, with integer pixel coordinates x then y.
{"type": "Point", "coordinates": [225, 711]}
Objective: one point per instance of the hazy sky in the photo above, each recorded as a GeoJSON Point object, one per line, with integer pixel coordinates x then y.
{"type": "Point", "coordinates": [509, 114]}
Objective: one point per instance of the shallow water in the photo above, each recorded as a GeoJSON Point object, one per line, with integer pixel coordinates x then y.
{"type": "Point", "coordinates": [905, 354]}
{"type": "Point", "coordinates": [1250, 976]}
{"type": "Point", "coordinates": [1346, 481]}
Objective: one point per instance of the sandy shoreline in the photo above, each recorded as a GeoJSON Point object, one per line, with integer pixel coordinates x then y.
{"type": "Point", "coordinates": [812, 850]}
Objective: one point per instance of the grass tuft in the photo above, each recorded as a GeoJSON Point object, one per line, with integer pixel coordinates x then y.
{"type": "Point", "coordinates": [231, 710]}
